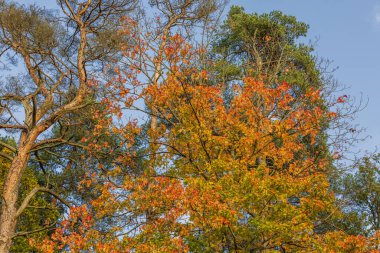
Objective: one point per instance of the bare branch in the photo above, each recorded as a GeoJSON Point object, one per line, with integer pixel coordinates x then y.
{"type": "Point", "coordinates": [11, 126]}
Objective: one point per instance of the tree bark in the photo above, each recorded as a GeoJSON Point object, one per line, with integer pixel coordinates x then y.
{"type": "Point", "coordinates": [8, 214]}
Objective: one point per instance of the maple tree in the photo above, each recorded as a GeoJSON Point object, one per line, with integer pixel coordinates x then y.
{"type": "Point", "coordinates": [226, 178]}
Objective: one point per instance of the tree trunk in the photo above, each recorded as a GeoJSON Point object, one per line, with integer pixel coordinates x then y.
{"type": "Point", "coordinates": [8, 219]}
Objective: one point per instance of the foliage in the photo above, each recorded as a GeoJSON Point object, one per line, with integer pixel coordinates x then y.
{"type": "Point", "coordinates": [228, 150]}
{"type": "Point", "coordinates": [227, 178]}
{"type": "Point", "coordinates": [360, 194]}
{"type": "Point", "coordinates": [267, 44]}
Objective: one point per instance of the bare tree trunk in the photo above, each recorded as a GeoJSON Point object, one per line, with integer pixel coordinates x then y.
{"type": "Point", "coordinates": [8, 217]}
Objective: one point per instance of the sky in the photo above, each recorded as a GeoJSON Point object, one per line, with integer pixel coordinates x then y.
{"type": "Point", "coordinates": [346, 32]}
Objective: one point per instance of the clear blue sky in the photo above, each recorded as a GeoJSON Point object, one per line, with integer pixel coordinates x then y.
{"type": "Point", "coordinates": [348, 32]}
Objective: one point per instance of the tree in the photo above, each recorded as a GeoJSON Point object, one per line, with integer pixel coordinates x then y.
{"type": "Point", "coordinates": [211, 190]}
{"type": "Point", "coordinates": [217, 173]}
{"type": "Point", "coordinates": [360, 194]}
{"type": "Point", "coordinates": [60, 68]}
{"type": "Point", "coordinates": [266, 44]}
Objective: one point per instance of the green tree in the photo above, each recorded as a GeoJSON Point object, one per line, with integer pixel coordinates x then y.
{"type": "Point", "coordinates": [268, 45]}
{"type": "Point", "coordinates": [360, 194]}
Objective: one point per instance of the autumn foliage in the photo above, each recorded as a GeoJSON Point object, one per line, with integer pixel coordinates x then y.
{"type": "Point", "coordinates": [175, 145]}
{"type": "Point", "coordinates": [240, 174]}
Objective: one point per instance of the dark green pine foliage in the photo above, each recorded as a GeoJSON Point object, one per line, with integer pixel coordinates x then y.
{"type": "Point", "coordinates": [268, 45]}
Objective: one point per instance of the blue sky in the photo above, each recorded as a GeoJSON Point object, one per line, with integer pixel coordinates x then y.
{"type": "Point", "coordinates": [348, 33]}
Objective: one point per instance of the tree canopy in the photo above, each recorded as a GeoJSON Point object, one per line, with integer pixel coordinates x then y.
{"type": "Point", "coordinates": [131, 132]}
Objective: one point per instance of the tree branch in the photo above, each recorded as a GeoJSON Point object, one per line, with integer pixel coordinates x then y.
{"type": "Point", "coordinates": [31, 195]}
{"type": "Point", "coordinates": [51, 227]}
{"type": "Point", "coordinates": [6, 156]}
{"type": "Point", "coordinates": [13, 149]}
{"type": "Point", "coordinates": [49, 143]}
{"type": "Point", "coordinates": [10, 126]}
